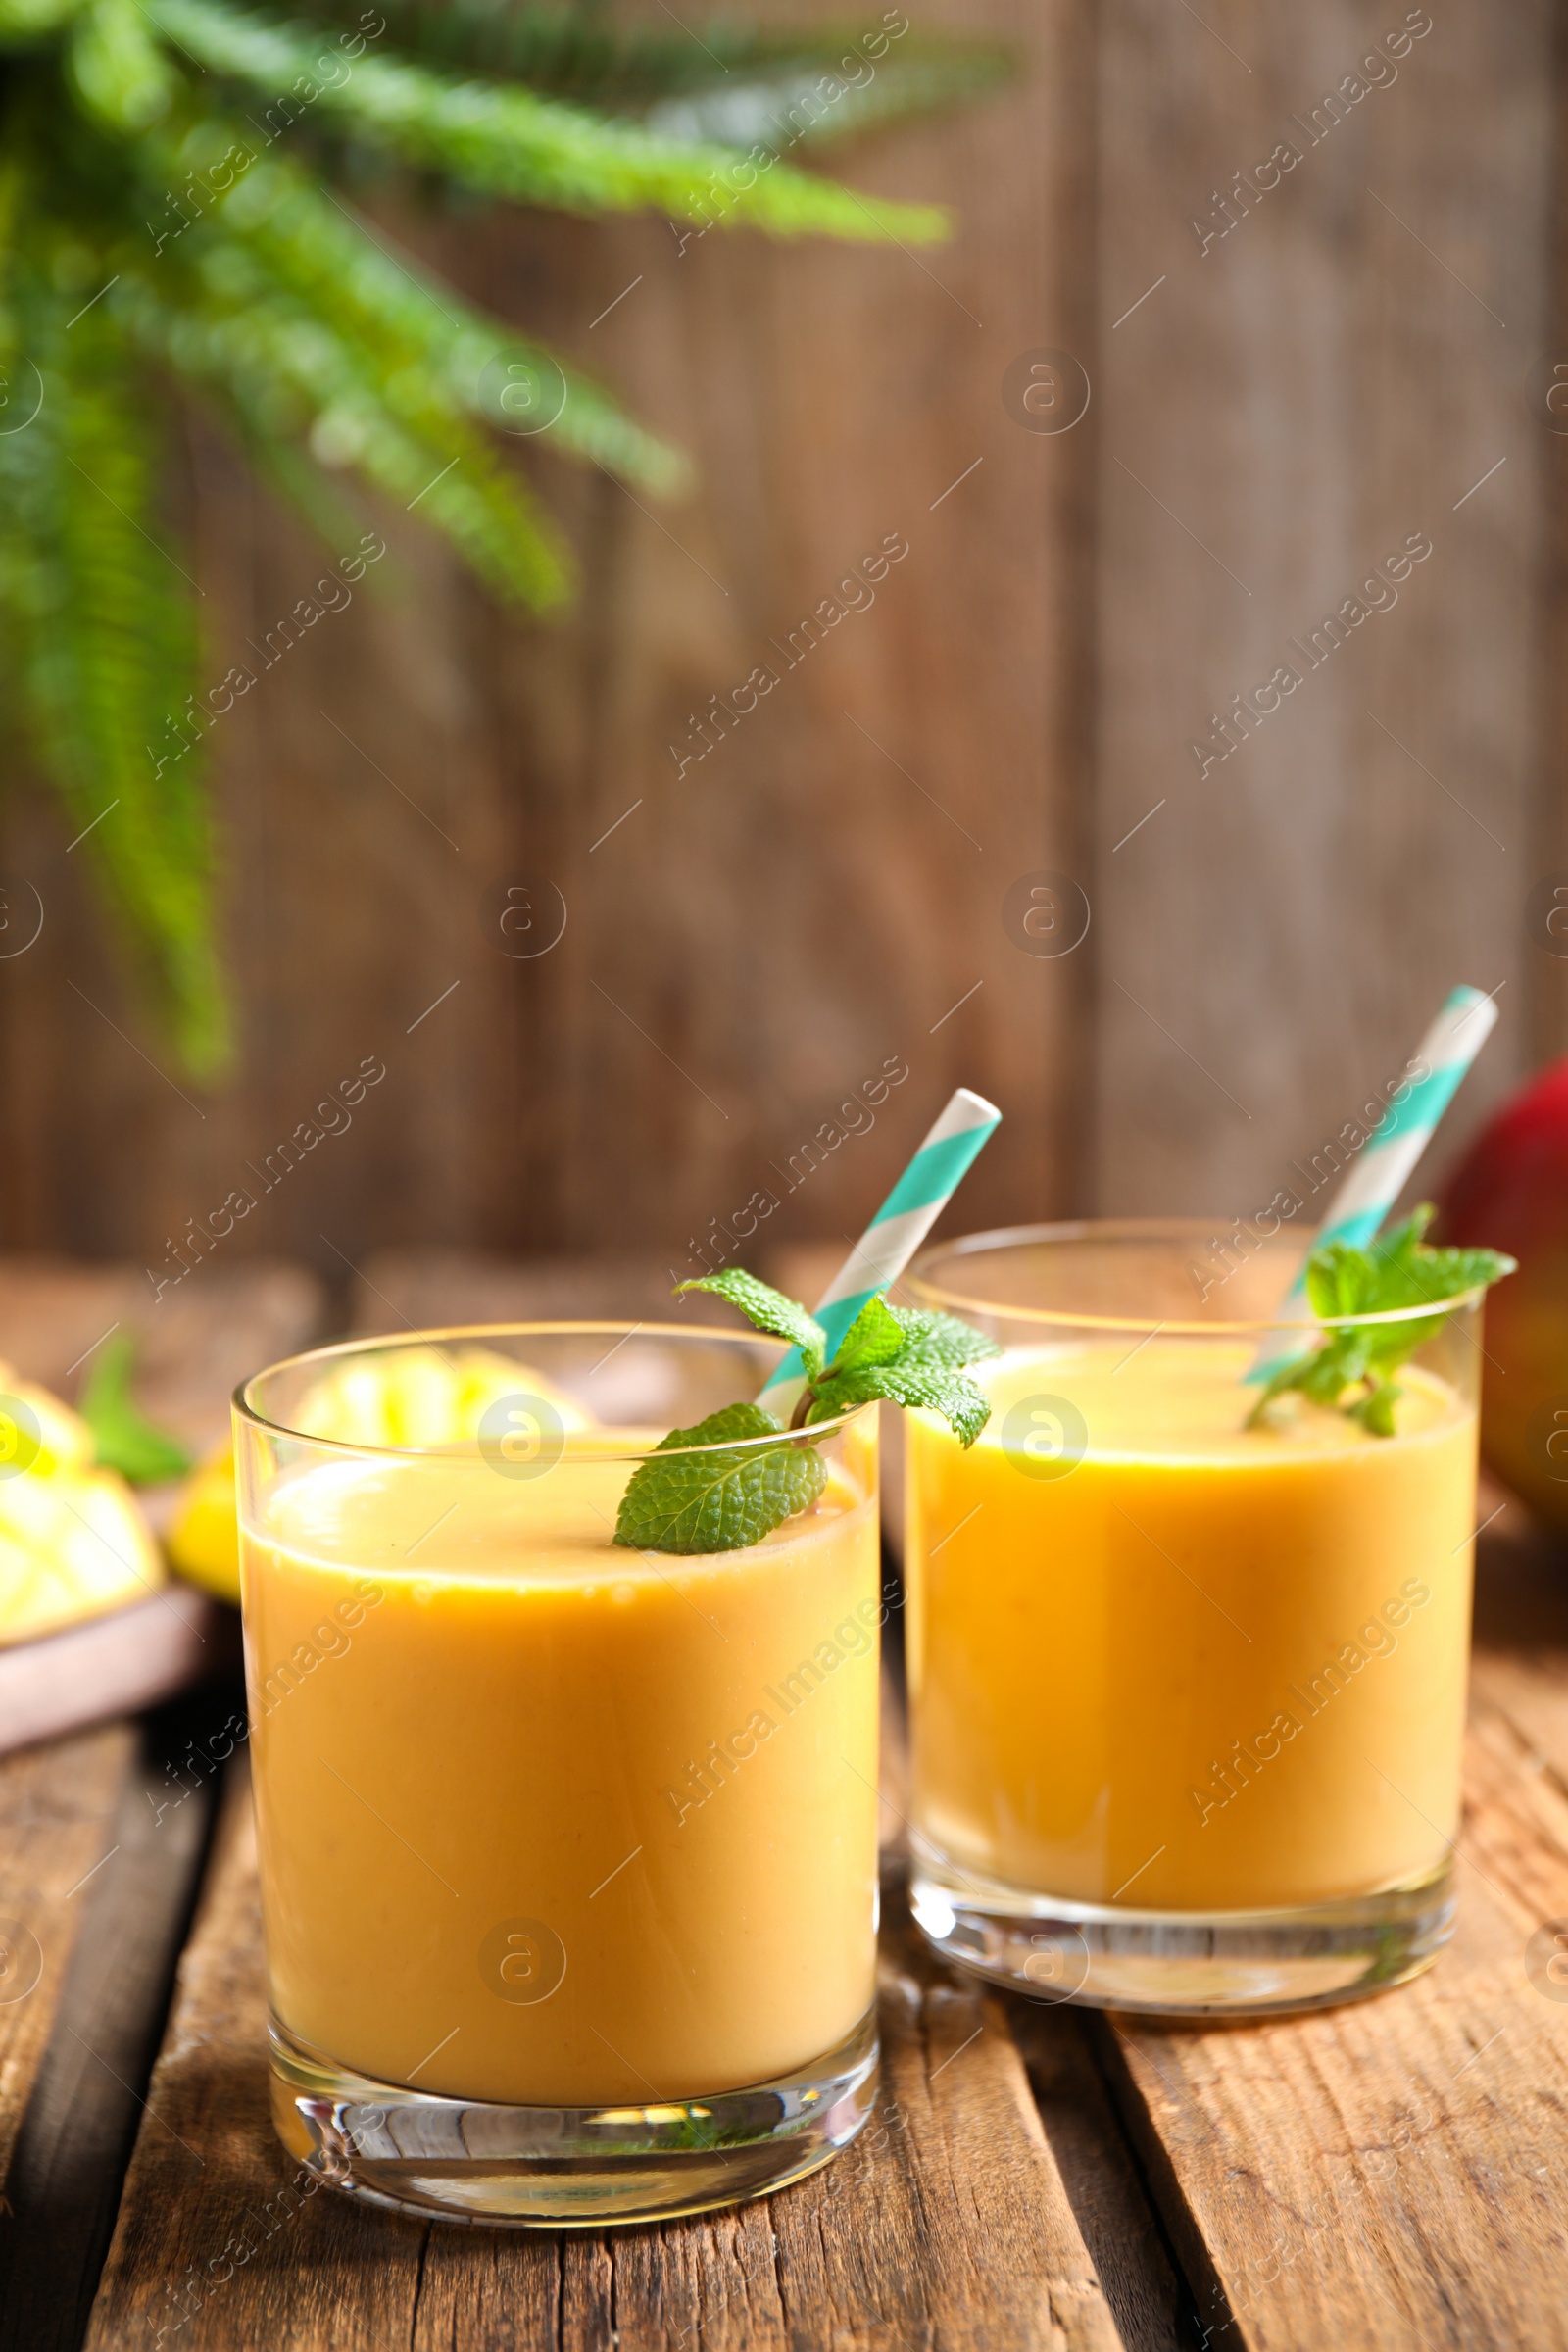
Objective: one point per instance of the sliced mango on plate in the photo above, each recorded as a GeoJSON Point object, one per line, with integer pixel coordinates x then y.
{"type": "Point", "coordinates": [73, 1540]}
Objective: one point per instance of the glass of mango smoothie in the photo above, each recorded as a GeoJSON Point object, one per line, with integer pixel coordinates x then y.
{"type": "Point", "coordinates": [568, 1850]}
{"type": "Point", "coordinates": [1185, 1693]}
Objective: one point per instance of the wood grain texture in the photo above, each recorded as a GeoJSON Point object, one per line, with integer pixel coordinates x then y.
{"type": "Point", "coordinates": [1546, 424]}
{"type": "Point", "coordinates": [1341, 370]}
{"type": "Point", "coordinates": [1146, 2294]}
{"type": "Point", "coordinates": [57, 1805]}
{"type": "Point", "coordinates": [1389, 2172]}
{"type": "Point", "coordinates": [948, 2224]}
{"type": "Point", "coordinates": [64, 2179]}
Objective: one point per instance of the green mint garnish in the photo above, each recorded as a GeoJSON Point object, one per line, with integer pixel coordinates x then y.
{"type": "Point", "coordinates": [1398, 1272]}
{"type": "Point", "coordinates": [718, 1501]}
{"type": "Point", "coordinates": [725, 1501]}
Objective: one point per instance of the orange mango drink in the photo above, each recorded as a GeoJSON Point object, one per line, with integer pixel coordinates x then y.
{"type": "Point", "coordinates": [546, 1821]}
{"type": "Point", "coordinates": [1161, 1659]}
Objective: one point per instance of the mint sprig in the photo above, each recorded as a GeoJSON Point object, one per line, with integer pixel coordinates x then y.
{"type": "Point", "coordinates": [1398, 1272]}
{"type": "Point", "coordinates": [723, 1501]}
{"type": "Point", "coordinates": [718, 1501]}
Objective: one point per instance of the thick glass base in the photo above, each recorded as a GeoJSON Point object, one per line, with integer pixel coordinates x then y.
{"type": "Point", "coordinates": [564, 2168]}
{"type": "Point", "coordinates": [1182, 1963]}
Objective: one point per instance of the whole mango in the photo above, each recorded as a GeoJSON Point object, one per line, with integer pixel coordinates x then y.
{"type": "Point", "coordinates": [1511, 1192]}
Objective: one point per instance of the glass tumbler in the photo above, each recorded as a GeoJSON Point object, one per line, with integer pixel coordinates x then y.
{"type": "Point", "coordinates": [567, 1850]}
{"type": "Point", "coordinates": [1187, 1682]}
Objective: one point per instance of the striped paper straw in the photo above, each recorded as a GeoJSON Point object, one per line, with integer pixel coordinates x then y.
{"type": "Point", "coordinates": [895, 1233]}
{"type": "Point", "coordinates": [1389, 1153]}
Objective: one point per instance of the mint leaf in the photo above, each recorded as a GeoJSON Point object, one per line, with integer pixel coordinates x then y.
{"type": "Point", "coordinates": [953, 1395]}
{"type": "Point", "coordinates": [1395, 1274]}
{"type": "Point", "coordinates": [875, 1336]}
{"type": "Point", "coordinates": [770, 1309]}
{"type": "Point", "coordinates": [934, 1339]}
{"type": "Point", "coordinates": [718, 1501]}
{"type": "Point", "coordinates": [124, 1440]}
{"type": "Point", "coordinates": [925, 1368]}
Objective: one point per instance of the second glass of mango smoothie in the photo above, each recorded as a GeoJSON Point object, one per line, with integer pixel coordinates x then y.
{"type": "Point", "coordinates": [1186, 1695]}
{"type": "Point", "coordinates": [567, 1850]}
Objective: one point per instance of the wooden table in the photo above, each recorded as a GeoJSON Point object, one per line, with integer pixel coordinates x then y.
{"type": "Point", "coordinates": [1389, 2174]}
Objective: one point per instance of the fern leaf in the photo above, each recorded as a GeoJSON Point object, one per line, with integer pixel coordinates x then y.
{"type": "Point", "coordinates": [509, 142]}
{"type": "Point", "coordinates": [801, 103]}
{"type": "Point", "coordinates": [284, 372]}
{"type": "Point", "coordinates": [335, 264]}
{"type": "Point", "coordinates": [105, 656]}
{"type": "Point", "coordinates": [628, 69]}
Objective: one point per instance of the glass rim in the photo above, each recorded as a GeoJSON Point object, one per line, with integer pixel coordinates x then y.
{"type": "Point", "coordinates": [250, 1413]}
{"type": "Point", "coordinates": [1149, 1229]}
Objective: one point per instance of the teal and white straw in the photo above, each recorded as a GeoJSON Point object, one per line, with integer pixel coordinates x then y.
{"type": "Point", "coordinates": [1389, 1153]}
{"type": "Point", "coordinates": [895, 1233]}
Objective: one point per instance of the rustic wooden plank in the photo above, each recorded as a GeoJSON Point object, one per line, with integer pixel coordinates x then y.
{"type": "Point", "coordinates": [56, 1809]}
{"type": "Point", "coordinates": [1148, 2296]}
{"type": "Point", "coordinates": [67, 2164]}
{"type": "Point", "coordinates": [948, 2224]}
{"type": "Point", "coordinates": [1336, 371]}
{"type": "Point", "coordinates": [101, 1834]}
{"type": "Point", "coordinates": [1385, 2173]}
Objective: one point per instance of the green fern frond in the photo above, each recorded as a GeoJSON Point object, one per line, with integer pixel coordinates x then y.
{"type": "Point", "coordinates": [290, 378]}
{"type": "Point", "coordinates": [104, 652]}
{"type": "Point", "coordinates": [312, 334]}
{"type": "Point", "coordinates": [574, 53]}
{"type": "Point", "coordinates": [799, 102]}
{"type": "Point", "coordinates": [629, 68]}
{"type": "Point", "coordinates": [331, 263]}
{"type": "Point", "coordinates": [510, 142]}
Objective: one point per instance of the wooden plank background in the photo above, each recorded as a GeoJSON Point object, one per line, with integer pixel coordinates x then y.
{"type": "Point", "coordinates": [1336, 372]}
{"type": "Point", "coordinates": [1270, 417]}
